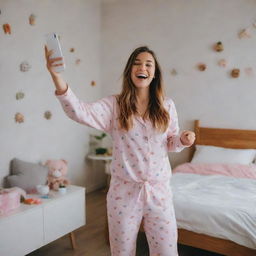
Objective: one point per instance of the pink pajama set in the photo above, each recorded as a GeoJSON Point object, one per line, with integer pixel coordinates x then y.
{"type": "Point", "coordinates": [140, 175]}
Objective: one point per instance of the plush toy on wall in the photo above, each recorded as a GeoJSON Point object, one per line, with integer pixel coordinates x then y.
{"type": "Point", "coordinates": [57, 173]}
{"type": "Point", "coordinates": [20, 95]}
{"type": "Point", "coordinates": [7, 28]}
{"type": "Point", "coordinates": [24, 66]}
{"type": "Point", "coordinates": [245, 33]}
{"type": "Point", "coordinates": [201, 66]}
{"type": "Point", "coordinates": [222, 63]}
{"type": "Point", "coordinates": [19, 118]}
{"type": "Point", "coordinates": [235, 73]}
{"type": "Point", "coordinates": [32, 19]}
{"type": "Point", "coordinates": [218, 47]}
{"type": "Point", "coordinates": [174, 72]}
{"type": "Point", "coordinates": [78, 61]}
{"type": "Point", "coordinates": [47, 115]}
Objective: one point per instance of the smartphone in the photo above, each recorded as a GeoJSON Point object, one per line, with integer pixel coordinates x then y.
{"type": "Point", "coordinates": [53, 43]}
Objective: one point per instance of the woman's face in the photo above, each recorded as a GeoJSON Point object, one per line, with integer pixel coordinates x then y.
{"type": "Point", "coordinates": [143, 70]}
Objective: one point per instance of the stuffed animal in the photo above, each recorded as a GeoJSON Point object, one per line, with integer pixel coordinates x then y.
{"type": "Point", "coordinates": [57, 173]}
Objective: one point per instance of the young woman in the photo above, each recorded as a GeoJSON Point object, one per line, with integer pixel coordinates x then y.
{"type": "Point", "coordinates": [144, 128]}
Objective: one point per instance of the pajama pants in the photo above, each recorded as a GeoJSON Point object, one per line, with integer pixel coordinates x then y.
{"type": "Point", "coordinates": [130, 202]}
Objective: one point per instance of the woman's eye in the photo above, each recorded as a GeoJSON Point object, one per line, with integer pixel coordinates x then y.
{"type": "Point", "coordinates": [136, 63]}
{"type": "Point", "coordinates": [149, 65]}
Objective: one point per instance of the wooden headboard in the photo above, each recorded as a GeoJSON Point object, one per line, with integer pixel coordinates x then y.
{"type": "Point", "coordinates": [227, 138]}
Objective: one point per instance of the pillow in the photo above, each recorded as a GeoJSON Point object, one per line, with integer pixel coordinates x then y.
{"type": "Point", "coordinates": [232, 170]}
{"type": "Point", "coordinates": [212, 154]}
{"type": "Point", "coordinates": [27, 175]}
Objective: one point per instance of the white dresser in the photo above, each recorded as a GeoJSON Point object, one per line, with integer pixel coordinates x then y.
{"type": "Point", "coordinates": [31, 226]}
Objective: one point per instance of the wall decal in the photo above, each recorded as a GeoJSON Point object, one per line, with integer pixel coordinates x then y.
{"type": "Point", "coordinates": [32, 19]}
{"type": "Point", "coordinates": [249, 71]}
{"type": "Point", "coordinates": [72, 49]}
{"type": "Point", "coordinates": [20, 95]}
{"type": "Point", "coordinates": [174, 72]}
{"type": "Point", "coordinates": [7, 28]}
{"type": "Point", "coordinates": [218, 47]}
{"type": "Point", "coordinates": [24, 66]}
{"type": "Point", "coordinates": [235, 72]}
{"type": "Point", "coordinates": [202, 66]}
{"type": "Point", "coordinates": [93, 83]}
{"type": "Point", "coordinates": [222, 63]}
{"type": "Point", "coordinates": [19, 118]}
{"type": "Point", "coordinates": [47, 115]}
{"type": "Point", "coordinates": [78, 61]}
{"type": "Point", "coordinates": [245, 33]}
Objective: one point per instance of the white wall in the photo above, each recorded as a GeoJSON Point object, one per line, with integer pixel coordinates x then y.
{"type": "Point", "coordinates": [182, 33]}
{"type": "Point", "coordinates": [79, 24]}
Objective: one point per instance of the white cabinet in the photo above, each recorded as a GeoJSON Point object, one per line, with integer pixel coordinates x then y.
{"type": "Point", "coordinates": [21, 232]}
{"type": "Point", "coordinates": [31, 226]}
{"type": "Point", "coordinates": [64, 215]}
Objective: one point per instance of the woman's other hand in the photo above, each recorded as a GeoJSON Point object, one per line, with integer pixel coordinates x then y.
{"type": "Point", "coordinates": [187, 138]}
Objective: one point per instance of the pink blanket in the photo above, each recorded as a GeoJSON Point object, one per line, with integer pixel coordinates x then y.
{"type": "Point", "coordinates": [234, 170]}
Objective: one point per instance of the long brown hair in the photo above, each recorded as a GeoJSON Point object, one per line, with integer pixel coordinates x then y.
{"type": "Point", "coordinates": [126, 100]}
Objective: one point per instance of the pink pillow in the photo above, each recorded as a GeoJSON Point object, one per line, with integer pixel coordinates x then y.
{"type": "Point", "coordinates": [233, 170]}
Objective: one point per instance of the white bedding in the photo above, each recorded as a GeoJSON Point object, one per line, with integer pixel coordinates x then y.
{"type": "Point", "coordinates": [215, 205]}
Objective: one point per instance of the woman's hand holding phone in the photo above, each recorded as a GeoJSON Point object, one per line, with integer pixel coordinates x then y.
{"type": "Point", "coordinates": [55, 56]}
{"type": "Point", "coordinates": [52, 64]}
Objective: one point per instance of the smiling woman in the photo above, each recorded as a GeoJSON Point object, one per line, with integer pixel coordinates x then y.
{"type": "Point", "coordinates": [144, 127]}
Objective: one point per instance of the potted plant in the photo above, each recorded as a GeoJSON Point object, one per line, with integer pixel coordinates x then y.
{"type": "Point", "coordinates": [96, 144]}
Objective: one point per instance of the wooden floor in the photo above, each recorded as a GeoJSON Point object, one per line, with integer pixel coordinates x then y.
{"type": "Point", "coordinates": [91, 240]}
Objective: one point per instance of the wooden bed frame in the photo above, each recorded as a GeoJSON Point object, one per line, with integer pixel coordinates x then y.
{"type": "Point", "coordinates": [228, 138]}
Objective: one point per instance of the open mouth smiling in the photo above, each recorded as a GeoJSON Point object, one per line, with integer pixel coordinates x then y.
{"type": "Point", "coordinates": [141, 76]}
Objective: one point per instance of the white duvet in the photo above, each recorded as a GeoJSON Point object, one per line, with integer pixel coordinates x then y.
{"type": "Point", "coordinates": [215, 205]}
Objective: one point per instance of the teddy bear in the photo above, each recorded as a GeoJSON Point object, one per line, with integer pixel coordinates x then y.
{"type": "Point", "coordinates": [57, 173]}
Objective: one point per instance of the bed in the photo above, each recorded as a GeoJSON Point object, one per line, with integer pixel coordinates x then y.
{"type": "Point", "coordinates": [195, 226]}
